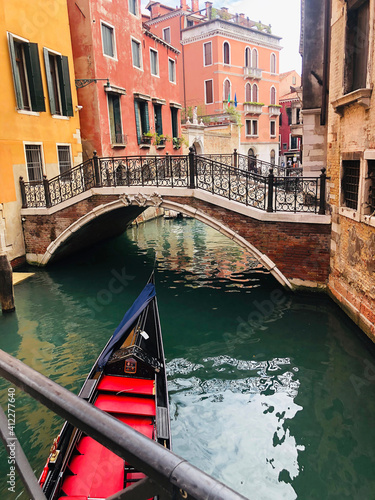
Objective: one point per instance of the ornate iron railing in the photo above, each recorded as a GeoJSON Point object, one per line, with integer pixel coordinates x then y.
{"type": "Point", "coordinates": [240, 178]}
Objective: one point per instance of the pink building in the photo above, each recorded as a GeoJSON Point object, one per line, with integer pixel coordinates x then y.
{"type": "Point", "coordinates": [290, 118]}
{"type": "Point", "coordinates": [127, 81]}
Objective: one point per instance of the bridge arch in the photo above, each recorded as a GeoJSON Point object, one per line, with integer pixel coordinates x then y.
{"type": "Point", "coordinates": [140, 203]}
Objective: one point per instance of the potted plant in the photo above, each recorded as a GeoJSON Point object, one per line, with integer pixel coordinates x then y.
{"type": "Point", "coordinates": [146, 137]}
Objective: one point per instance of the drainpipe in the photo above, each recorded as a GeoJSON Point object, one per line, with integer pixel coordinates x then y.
{"type": "Point", "coordinates": [6, 279]}
{"type": "Point", "coordinates": [326, 50]}
{"type": "Point", "coordinates": [182, 18]}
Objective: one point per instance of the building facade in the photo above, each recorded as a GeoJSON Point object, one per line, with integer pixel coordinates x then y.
{"type": "Point", "coordinates": [290, 119]}
{"type": "Point", "coordinates": [128, 78]}
{"type": "Point", "coordinates": [230, 65]}
{"type": "Point", "coordinates": [39, 126]}
{"type": "Point", "coordinates": [351, 159]}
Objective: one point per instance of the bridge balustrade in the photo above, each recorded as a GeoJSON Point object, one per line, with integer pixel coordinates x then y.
{"type": "Point", "coordinates": [236, 177]}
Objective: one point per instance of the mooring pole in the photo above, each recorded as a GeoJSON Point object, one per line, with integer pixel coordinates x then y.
{"type": "Point", "coordinates": [6, 285]}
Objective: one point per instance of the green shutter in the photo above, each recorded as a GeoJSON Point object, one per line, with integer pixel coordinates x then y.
{"type": "Point", "coordinates": [34, 77]}
{"type": "Point", "coordinates": [52, 104]}
{"type": "Point", "coordinates": [16, 78]}
{"type": "Point", "coordinates": [147, 121]}
{"type": "Point", "coordinates": [66, 93]}
{"type": "Point", "coordinates": [158, 120]}
{"type": "Point", "coordinates": [174, 113]}
{"type": "Point", "coordinates": [137, 121]}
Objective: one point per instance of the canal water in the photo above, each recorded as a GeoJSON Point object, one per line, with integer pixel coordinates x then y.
{"type": "Point", "coordinates": [272, 393]}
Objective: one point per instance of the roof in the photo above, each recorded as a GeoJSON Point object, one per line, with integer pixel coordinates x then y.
{"type": "Point", "coordinates": [152, 35]}
{"type": "Point", "coordinates": [289, 97]}
{"type": "Point", "coordinates": [148, 6]}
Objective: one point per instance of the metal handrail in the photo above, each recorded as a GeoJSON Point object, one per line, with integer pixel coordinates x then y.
{"type": "Point", "coordinates": [169, 476]}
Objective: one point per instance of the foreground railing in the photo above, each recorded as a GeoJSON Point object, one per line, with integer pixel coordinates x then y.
{"type": "Point", "coordinates": [236, 177]}
{"type": "Point", "coordinates": [168, 476]}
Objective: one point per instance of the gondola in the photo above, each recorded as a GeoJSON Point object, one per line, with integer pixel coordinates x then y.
{"type": "Point", "coordinates": [128, 381]}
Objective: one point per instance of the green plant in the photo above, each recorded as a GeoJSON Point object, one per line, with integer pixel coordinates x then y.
{"type": "Point", "coordinates": [255, 103]}
{"type": "Point", "coordinates": [160, 139]}
{"type": "Point", "coordinates": [148, 134]}
{"type": "Point", "coordinates": [236, 115]}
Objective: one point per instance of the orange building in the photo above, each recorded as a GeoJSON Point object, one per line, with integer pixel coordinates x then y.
{"type": "Point", "coordinates": [230, 62]}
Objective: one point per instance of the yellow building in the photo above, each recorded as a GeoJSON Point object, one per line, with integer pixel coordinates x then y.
{"type": "Point", "coordinates": [39, 124]}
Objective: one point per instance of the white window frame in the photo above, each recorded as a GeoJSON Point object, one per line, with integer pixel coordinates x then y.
{"type": "Point", "coordinates": [250, 57]}
{"type": "Point", "coordinates": [255, 51]}
{"type": "Point", "coordinates": [109, 119]}
{"type": "Point", "coordinates": [136, 9]}
{"type": "Point", "coordinates": [225, 99]}
{"type": "Point", "coordinates": [248, 84]}
{"type": "Point", "coordinates": [174, 71]}
{"type": "Point", "coordinates": [273, 135]}
{"type": "Point", "coordinates": [252, 92]}
{"type": "Point", "coordinates": [108, 25]}
{"type": "Point", "coordinates": [157, 74]}
{"type": "Point", "coordinates": [205, 96]}
{"type": "Point", "coordinates": [273, 72]}
{"type": "Point", "coordinates": [204, 60]}
{"type": "Point", "coordinates": [31, 143]}
{"type": "Point", "coordinates": [271, 103]}
{"type": "Point", "coordinates": [132, 39]}
{"type": "Point", "coordinates": [251, 120]}
{"type": "Point", "coordinates": [70, 152]}
{"type": "Point", "coordinates": [164, 30]}
{"type": "Point", "coordinates": [230, 53]}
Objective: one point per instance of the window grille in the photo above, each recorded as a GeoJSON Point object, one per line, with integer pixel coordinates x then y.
{"type": "Point", "coordinates": [65, 161]}
{"type": "Point", "coordinates": [34, 162]}
{"type": "Point", "coordinates": [350, 183]}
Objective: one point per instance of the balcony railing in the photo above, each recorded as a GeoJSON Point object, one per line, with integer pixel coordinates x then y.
{"type": "Point", "coordinates": [253, 108]}
{"type": "Point", "coordinates": [274, 110]}
{"type": "Point", "coordinates": [255, 73]}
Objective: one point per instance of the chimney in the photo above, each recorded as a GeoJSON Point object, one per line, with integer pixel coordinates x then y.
{"type": "Point", "coordinates": [242, 18]}
{"type": "Point", "coordinates": [195, 5]}
{"type": "Point", "coordinates": [209, 10]}
{"type": "Point", "coordinates": [155, 10]}
{"type": "Point", "coordinates": [183, 5]}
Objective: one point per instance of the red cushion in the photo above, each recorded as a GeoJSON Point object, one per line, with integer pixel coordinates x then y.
{"type": "Point", "coordinates": [72, 498]}
{"type": "Point", "coordinates": [144, 425]}
{"type": "Point", "coordinates": [100, 473]}
{"type": "Point", "coordinates": [126, 404]}
{"type": "Point", "coordinates": [127, 384]}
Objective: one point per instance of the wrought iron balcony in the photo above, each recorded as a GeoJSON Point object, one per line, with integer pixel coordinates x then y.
{"type": "Point", "coordinates": [274, 110]}
{"type": "Point", "coordinates": [255, 73]}
{"type": "Point", "coordinates": [253, 108]}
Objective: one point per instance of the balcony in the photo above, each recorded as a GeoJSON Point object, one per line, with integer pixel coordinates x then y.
{"type": "Point", "coordinates": [253, 108]}
{"type": "Point", "coordinates": [254, 73]}
{"type": "Point", "coordinates": [119, 140]}
{"type": "Point", "coordinates": [274, 110]}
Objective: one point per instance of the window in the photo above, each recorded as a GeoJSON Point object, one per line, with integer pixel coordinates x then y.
{"type": "Point", "coordinates": [248, 92]}
{"type": "Point", "coordinates": [285, 146]}
{"type": "Point", "coordinates": [133, 7]}
{"type": "Point", "coordinates": [371, 175]}
{"type": "Point", "coordinates": [158, 119]}
{"type": "Point", "coordinates": [280, 119]}
{"type": "Point", "coordinates": [141, 118]}
{"type": "Point", "coordinates": [64, 157]}
{"type": "Point", "coordinates": [273, 63]}
{"type": "Point", "coordinates": [174, 116]}
{"type": "Point", "coordinates": [226, 90]}
{"type": "Point", "coordinates": [226, 51]}
{"type": "Point", "coordinates": [272, 157]}
{"type": "Point", "coordinates": [136, 53]}
{"type": "Point", "coordinates": [293, 142]}
{"type": "Point", "coordinates": [289, 114]}
{"type": "Point", "coordinates": [209, 93]}
{"type": "Point", "coordinates": [294, 80]}
{"type": "Point", "coordinates": [252, 127]}
{"type": "Point", "coordinates": [247, 57]}
{"type": "Point", "coordinates": [273, 96]}
{"type": "Point", "coordinates": [172, 70]}
{"type": "Point", "coordinates": [108, 40]}
{"type": "Point", "coordinates": [189, 23]}
{"type": "Point", "coordinates": [255, 58]}
{"type": "Point", "coordinates": [350, 183]}
{"type": "Point", "coordinates": [272, 128]}
{"type": "Point", "coordinates": [58, 83]}
{"type": "Point", "coordinates": [154, 62]}
{"type": "Point", "coordinates": [255, 93]}
{"type": "Point", "coordinates": [207, 50]}
{"type": "Point", "coordinates": [357, 45]}
{"type": "Point", "coordinates": [34, 162]}
{"type": "Point", "coordinates": [115, 125]}
{"type": "Point", "coordinates": [167, 35]}
{"type": "Point", "coordinates": [27, 76]}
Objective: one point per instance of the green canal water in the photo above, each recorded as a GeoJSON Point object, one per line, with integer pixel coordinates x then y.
{"type": "Point", "coordinates": [272, 393]}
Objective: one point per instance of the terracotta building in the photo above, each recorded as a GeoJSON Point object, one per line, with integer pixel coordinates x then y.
{"type": "Point", "coordinates": [227, 61]}
{"type": "Point", "coordinates": [128, 79]}
{"type": "Point", "coordinates": [290, 119]}
{"type": "Point", "coordinates": [39, 126]}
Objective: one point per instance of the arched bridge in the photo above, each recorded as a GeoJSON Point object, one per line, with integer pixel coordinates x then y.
{"type": "Point", "coordinates": [280, 219]}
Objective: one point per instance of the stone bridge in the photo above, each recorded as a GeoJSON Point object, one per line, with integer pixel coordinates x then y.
{"type": "Point", "coordinates": [99, 199]}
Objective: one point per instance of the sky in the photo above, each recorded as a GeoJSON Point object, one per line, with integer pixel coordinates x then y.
{"type": "Point", "coordinates": [284, 18]}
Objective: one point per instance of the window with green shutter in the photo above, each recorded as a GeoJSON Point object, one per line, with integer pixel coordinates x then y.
{"type": "Point", "coordinates": [141, 118]}
{"type": "Point", "coordinates": [174, 114]}
{"type": "Point", "coordinates": [158, 119]}
{"type": "Point", "coordinates": [27, 76]}
{"type": "Point", "coordinates": [58, 83]}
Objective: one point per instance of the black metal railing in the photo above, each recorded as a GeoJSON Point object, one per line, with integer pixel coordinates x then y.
{"type": "Point", "coordinates": [239, 178]}
{"type": "Point", "coordinates": [168, 475]}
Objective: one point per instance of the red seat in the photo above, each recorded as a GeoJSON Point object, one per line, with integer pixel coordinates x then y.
{"type": "Point", "coordinates": [99, 473]}
{"type": "Point", "coordinates": [110, 383]}
{"type": "Point", "coordinates": [126, 404]}
{"type": "Point", "coordinates": [72, 498]}
{"type": "Point", "coordinates": [144, 425]}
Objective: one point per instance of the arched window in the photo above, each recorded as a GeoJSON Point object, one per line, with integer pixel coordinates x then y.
{"type": "Point", "coordinates": [272, 156]}
{"type": "Point", "coordinates": [255, 58]}
{"type": "Point", "coordinates": [273, 95]}
{"type": "Point", "coordinates": [273, 63]}
{"type": "Point", "coordinates": [226, 90]}
{"type": "Point", "coordinates": [251, 152]}
{"type": "Point", "coordinates": [255, 93]}
{"type": "Point", "coordinates": [248, 92]}
{"type": "Point", "coordinates": [247, 57]}
{"type": "Point", "coordinates": [226, 50]}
